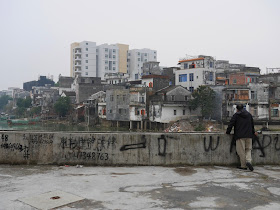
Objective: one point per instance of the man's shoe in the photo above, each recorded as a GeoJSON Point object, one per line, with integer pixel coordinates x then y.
{"type": "Point", "coordinates": [249, 165]}
{"type": "Point", "coordinates": [239, 167]}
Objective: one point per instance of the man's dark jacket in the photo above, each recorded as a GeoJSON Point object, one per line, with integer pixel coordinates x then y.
{"type": "Point", "coordinates": [243, 124]}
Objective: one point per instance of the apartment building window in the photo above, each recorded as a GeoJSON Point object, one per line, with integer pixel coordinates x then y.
{"type": "Point", "coordinates": [86, 61]}
{"type": "Point", "coordinates": [173, 98]}
{"type": "Point", "coordinates": [114, 62]}
{"type": "Point", "coordinates": [184, 112]}
{"type": "Point", "coordinates": [155, 57]}
{"type": "Point", "coordinates": [86, 73]}
{"type": "Point", "coordinates": [86, 43]}
{"type": "Point", "coordinates": [211, 64]}
{"type": "Point", "coordinates": [114, 68]}
{"type": "Point", "coordinates": [253, 95]}
{"type": "Point", "coordinates": [182, 77]}
{"type": "Point", "coordinates": [145, 54]}
{"type": "Point", "coordinates": [111, 97]}
{"type": "Point", "coordinates": [120, 111]}
{"type": "Point", "coordinates": [191, 89]}
{"type": "Point", "coordinates": [274, 113]}
{"type": "Point", "coordinates": [106, 61]}
{"type": "Point", "coordinates": [175, 111]}
{"type": "Point", "coordinates": [106, 68]}
{"type": "Point", "coordinates": [114, 56]}
{"type": "Point", "coordinates": [106, 49]}
{"type": "Point", "coordinates": [191, 76]}
{"type": "Point", "coordinates": [138, 59]}
{"type": "Point", "coordinates": [211, 76]}
{"type": "Point", "coordinates": [86, 49]}
{"type": "Point", "coordinates": [114, 50]}
{"type": "Point", "coordinates": [86, 55]}
{"type": "Point", "coordinates": [186, 65]}
{"type": "Point", "coordinates": [136, 76]}
{"type": "Point", "coordinates": [139, 54]}
{"type": "Point", "coordinates": [106, 55]}
{"type": "Point", "coordinates": [146, 60]}
{"type": "Point", "coordinates": [86, 67]}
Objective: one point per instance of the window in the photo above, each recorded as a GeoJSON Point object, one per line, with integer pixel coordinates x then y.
{"type": "Point", "coordinates": [191, 76]}
{"type": "Point", "coordinates": [186, 98]}
{"type": "Point", "coordinates": [274, 113]}
{"type": "Point", "coordinates": [83, 80]}
{"type": "Point", "coordinates": [106, 55]}
{"type": "Point", "coordinates": [182, 77]}
{"type": "Point", "coordinates": [86, 49]}
{"type": "Point", "coordinates": [186, 65]}
{"type": "Point", "coordinates": [114, 56]}
{"type": "Point", "coordinates": [172, 98]}
{"type": "Point", "coordinates": [155, 57]}
{"type": "Point", "coordinates": [86, 61]}
{"type": "Point", "coordinates": [211, 64]}
{"type": "Point", "coordinates": [139, 54]}
{"type": "Point", "coordinates": [106, 61]}
{"type": "Point", "coordinates": [145, 54]}
{"type": "Point", "coordinates": [106, 49]}
{"type": "Point", "coordinates": [114, 62]}
{"type": "Point", "coordinates": [136, 76]}
{"type": "Point", "coordinates": [106, 68]}
{"type": "Point", "coordinates": [234, 81]}
{"type": "Point", "coordinates": [86, 67]}
{"type": "Point", "coordinates": [175, 111]}
{"type": "Point", "coordinates": [86, 73]}
{"type": "Point", "coordinates": [210, 76]}
{"type": "Point", "coordinates": [114, 50]}
{"type": "Point", "coordinates": [86, 43]}
{"type": "Point", "coordinates": [120, 111]}
{"type": "Point", "coordinates": [191, 89]}
{"type": "Point", "coordinates": [86, 55]}
{"type": "Point", "coordinates": [184, 112]}
{"type": "Point", "coordinates": [253, 95]}
{"type": "Point", "coordinates": [138, 59]}
{"type": "Point", "coordinates": [111, 111]}
{"type": "Point", "coordinates": [111, 97]}
{"type": "Point", "coordinates": [114, 68]}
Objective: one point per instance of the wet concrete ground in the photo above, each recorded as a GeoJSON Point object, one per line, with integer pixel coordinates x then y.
{"type": "Point", "coordinates": [144, 187]}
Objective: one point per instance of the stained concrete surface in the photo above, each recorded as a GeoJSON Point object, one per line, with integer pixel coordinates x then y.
{"type": "Point", "coordinates": [212, 187]}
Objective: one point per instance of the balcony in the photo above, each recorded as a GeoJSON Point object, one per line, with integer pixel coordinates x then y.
{"type": "Point", "coordinates": [78, 58]}
{"type": "Point", "coordinates": [78, 64]}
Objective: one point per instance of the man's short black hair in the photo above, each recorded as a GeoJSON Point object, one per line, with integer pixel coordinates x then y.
{"type": "Point", "coordinates": [239, 107]}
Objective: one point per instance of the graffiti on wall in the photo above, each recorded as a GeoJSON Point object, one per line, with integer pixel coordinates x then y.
{"type": "Point", "coordinates": [212, 143]}
{"type": "Point", "coordinates": [14, 147]}
{"type": "Point", "coordinates": [140, 145]}
{"type": "Point", "coordinates": [39, 139]}
{"type": "Point", "coordinates": [87, 148]}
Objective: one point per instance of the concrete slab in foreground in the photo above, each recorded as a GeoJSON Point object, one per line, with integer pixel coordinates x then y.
{"type": "Point", "coordinates": [142, 187]}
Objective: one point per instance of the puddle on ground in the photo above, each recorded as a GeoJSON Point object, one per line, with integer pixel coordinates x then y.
{"type": "Point", "coordinates": [185, 171]}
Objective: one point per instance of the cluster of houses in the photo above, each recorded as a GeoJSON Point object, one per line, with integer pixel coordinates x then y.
{"type": "Point", "coordinates": [161, 95]}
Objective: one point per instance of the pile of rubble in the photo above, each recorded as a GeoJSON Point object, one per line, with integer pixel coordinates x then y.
{"type": "Point", "coordinates": [190, 126]}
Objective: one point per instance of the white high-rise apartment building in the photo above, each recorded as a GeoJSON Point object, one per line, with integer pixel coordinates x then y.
{"type": "Point", "coordinates": [83, 59]}
{"type": "Point", "coordinates": [107, 59]}
{"type": "Point", "coordinates": [90, 60]}
{"type": "Point", "coordinates": [136, 58]}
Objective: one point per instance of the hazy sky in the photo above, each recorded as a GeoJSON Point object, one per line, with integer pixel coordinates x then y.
{"type": "Point", "coordinates": [36, 34]}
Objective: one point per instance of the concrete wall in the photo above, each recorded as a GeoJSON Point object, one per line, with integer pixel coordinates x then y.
{"type": "Point", "coordinates": [24, 147]}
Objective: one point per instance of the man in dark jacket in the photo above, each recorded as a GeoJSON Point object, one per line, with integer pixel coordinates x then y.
{"type": "Point", "coordinates": [244, 130]}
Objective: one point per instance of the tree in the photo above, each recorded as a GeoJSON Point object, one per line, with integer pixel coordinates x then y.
{"type": "Point", "coordinates": [203, 97]}
{"type": "Point", "coordinates": [62, 106]}
{"type": "Point", "coordinates": [4, 101]}
{"type": "Point", "coordinates": [22, 105]}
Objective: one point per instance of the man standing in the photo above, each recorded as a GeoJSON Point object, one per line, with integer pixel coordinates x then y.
{"type": "Point", "coordinates": [244, 131]}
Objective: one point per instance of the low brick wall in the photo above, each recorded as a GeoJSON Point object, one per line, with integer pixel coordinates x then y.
{"type": "Point", "coordinates": [25, 147]}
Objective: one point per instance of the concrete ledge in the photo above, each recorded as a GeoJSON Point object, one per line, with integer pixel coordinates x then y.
{"type": "Point", "coordinates": [113, 149]}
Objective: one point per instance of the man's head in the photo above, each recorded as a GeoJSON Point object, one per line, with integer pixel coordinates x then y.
{"type": "Point", "coordinates": [239, 107]}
